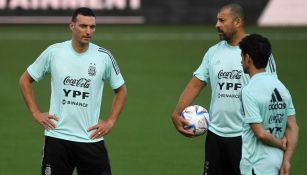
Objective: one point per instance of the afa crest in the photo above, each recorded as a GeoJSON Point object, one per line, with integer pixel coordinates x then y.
{"type": "Point", "coordinates": [92, 69]}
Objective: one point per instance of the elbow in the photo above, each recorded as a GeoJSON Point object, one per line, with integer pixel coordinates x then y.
{"type": "Point", "coordinates": [261, 135]}
{"type": "Point", "coordinates": [174, 115]}
{"type": "Point", "coordinates": [21, 81]}
{"type": "Point", "coordinates": [297, 129]}
{"type": "Point", "coordinates": [294, 128]}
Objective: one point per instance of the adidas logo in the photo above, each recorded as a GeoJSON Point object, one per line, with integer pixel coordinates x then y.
{"type": "Point", "coordinates": [276, 96]}
{"type": "Point", "coordinates": [276, 101]}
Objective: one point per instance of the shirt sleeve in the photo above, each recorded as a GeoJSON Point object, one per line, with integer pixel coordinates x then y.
{"type": "Point", "coordinates": [202, 72]}
{"type": "Point", "coordinates": [251, 109]}
{"type": "Point", "coordinates": [271, 66]}
{"type": "Point", "coordinates": [290, 107]}
{"type": "Point", "coordinates": [41, 66]}
{"type": "Point", "coordinates": [114, 75]}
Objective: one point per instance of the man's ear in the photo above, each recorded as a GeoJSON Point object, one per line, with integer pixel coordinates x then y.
{"type": "Point", "coordinates": [249, 59]}
{"type": "Point", "coordinates": [71, 25]}
{"type": "Point", "coordinates": [238, 21]}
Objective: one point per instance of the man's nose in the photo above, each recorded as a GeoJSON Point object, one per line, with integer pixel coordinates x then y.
{"type": "Point", "coordinates": [88, 30]}
{"type": "Point", "coordinates": [217, 25]}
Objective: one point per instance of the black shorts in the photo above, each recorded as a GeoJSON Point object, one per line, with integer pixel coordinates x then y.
{"type": "Point", "coordinates": [61, 157]}
{"type": "Point", "coordinates": [222, 155]}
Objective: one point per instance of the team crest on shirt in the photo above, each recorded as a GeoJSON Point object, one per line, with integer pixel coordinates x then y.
{"type": "Point", "coordinates": [92, 69]}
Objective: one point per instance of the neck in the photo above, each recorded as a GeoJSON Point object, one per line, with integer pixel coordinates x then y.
{"type": "Point", "coordinates": [79, 47]}
{"type": "Point", "coordinates": [234, 41]}
{"type": "Point", "coordinates": [255, 71]}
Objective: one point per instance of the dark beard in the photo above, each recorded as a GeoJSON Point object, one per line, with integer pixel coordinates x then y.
{"type": "Point", "coordinates": [245, 71]}
{"type": "Point", "coordinates": [224, 37]}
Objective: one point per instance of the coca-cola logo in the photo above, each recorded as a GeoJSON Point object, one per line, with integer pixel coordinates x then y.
{"type": "Point", "coordinates": [234, 74]}
{"type": "Point", "coordinates": [278, 118]}
{"type": "Point", "coordinates": [81, 82]}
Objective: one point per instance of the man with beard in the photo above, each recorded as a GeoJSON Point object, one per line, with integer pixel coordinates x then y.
{"type": "Point", "coordinates": [221, 67]}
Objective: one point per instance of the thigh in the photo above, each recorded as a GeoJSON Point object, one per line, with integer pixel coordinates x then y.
{"type": "Point", "coordinates": [92, 159]}
{"type": "Point", "coordinates": [56, 158]}
{"type": "Point", "coordinates": [213, 155]}
{"type": "Point", "coordinates": [233, 154]}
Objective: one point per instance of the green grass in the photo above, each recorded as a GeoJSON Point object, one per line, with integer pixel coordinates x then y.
{"type": "Point", "coordinates": [156, 64]}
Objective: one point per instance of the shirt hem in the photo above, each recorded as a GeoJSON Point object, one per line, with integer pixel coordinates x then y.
{"type": "Point", "coordinates": [225, 135]}
{"type": "Point", "coordinates": [74, 139]}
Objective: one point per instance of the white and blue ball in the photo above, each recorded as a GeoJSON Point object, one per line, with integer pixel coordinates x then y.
{"type": "Point", "coordinates": [198, 119]}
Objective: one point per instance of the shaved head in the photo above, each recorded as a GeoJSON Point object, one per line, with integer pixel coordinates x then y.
{"type": "Point", "coordinates": [236, 10]}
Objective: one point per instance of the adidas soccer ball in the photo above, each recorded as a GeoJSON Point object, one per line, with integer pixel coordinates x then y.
{"type": "Point", "coordinates": [197, 117]}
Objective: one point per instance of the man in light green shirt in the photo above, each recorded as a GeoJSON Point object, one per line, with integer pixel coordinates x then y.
{"type": "Point", "coordinates": [73, 128]}
{"type": "Point", "coordinates": [221, 70]}
{"type": "Point", "coordinates": [270, 132]}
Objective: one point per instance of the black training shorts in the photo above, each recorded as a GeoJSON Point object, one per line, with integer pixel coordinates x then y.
{"type": "Point", "coordinates": [61, 157]}
{"type": "Point", "coordinates": [222, 155]}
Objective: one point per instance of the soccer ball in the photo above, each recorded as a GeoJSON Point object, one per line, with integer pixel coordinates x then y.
{"type": "Point", "coordinates": [197, 117]}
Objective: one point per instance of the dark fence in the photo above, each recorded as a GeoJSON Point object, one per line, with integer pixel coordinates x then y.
{"type": "Point", "coordinates": [124, 11]}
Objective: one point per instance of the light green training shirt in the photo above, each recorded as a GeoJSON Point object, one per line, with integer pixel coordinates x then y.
{"type": "Point", "coordinates": [77, 82]}
{"type": "Point", "coordinates": [222, 68]}
{"type": "Point", "coordinates": [267, 101]}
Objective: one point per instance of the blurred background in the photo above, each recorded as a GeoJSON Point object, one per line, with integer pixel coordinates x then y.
{"type": "Point", "coordinates": [158, 45]}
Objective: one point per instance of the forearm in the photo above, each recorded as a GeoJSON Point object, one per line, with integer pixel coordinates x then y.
{"type": "Point", "coordinates": [266, 137]}
{"type": "Point", "coordinates": [291, 134]}
{"type": "Point", "coordinates": [25, 84]}
{"type": "Point", "coordinates": [271, 140]}
{"type": "Point", "coordinates": [117, 104]}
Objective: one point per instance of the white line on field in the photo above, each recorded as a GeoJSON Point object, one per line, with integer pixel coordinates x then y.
{"type": "Point", "coordinates": [142, 36]}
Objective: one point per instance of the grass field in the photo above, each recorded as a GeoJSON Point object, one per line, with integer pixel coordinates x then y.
{"type": "Point", "coordinates": [157, 62]}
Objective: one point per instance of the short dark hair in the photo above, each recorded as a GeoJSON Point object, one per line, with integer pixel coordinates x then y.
{"type": "Point", "coordinates": [85, 11]}
{"type": "Point", "coordinates": [258, 48]}
{"type": "Point", "coordinates": [236, 9]}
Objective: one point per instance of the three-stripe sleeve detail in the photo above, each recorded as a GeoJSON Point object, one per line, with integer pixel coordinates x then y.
{"type": "Point", "coordinates": [271, 64]}
{"type": "Point", "coordinates": [114, 64]}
